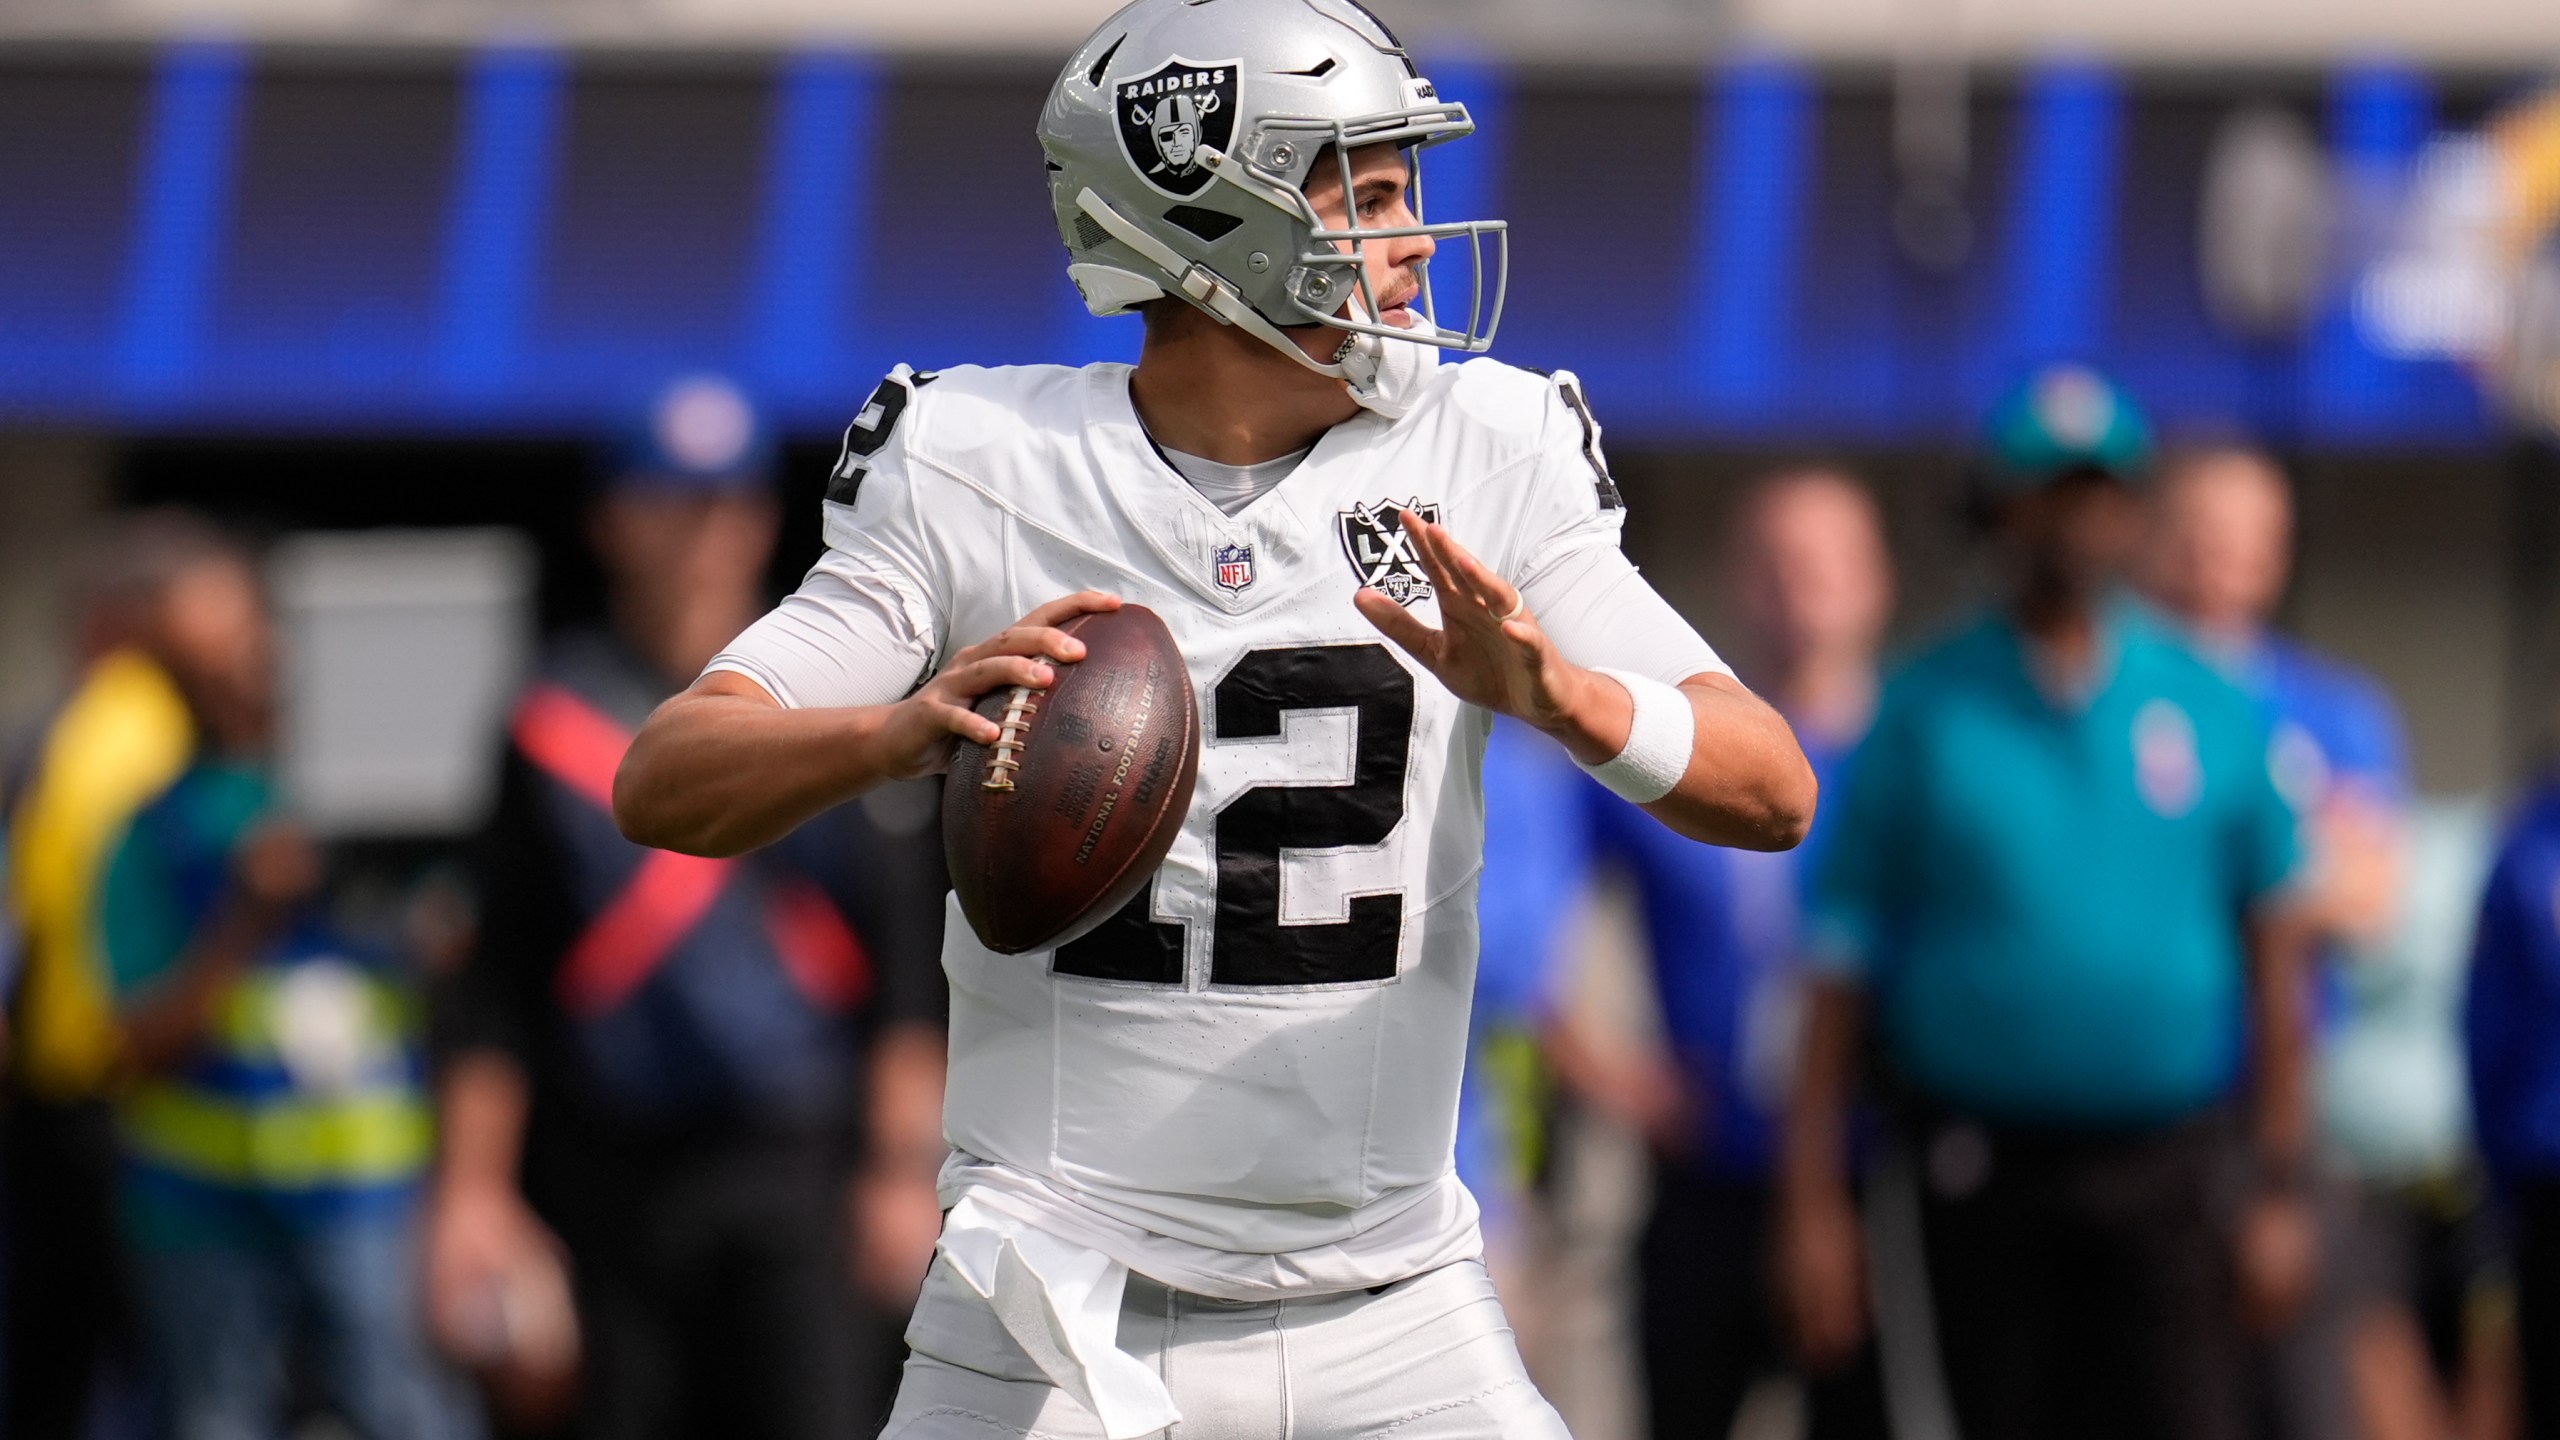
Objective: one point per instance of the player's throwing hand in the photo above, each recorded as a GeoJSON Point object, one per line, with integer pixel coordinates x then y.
{"type": "Point", "coordinates": [928, 724]}
{"type": "Point", "coordinates": [1489, 651]}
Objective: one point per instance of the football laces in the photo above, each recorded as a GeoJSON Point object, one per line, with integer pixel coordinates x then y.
{"type": "Point", "coordinates": [1018, 710]}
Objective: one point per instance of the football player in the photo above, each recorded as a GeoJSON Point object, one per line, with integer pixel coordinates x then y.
{"type": "Point", "coordinates": [1200, 1163]}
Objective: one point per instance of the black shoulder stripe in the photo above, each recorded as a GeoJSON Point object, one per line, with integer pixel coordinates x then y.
{"type": "Point", "coordinates": [1570, 387]}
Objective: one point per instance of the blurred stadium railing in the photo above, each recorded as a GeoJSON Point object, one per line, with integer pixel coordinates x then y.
{"type": "Point", "coordinates": [217, 234]}
{"type": "Point", "coordinates": [2456, 32]}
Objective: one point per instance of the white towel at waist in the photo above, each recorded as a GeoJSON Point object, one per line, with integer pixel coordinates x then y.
{"type": "Point", "coordinates": [1061, 1303]}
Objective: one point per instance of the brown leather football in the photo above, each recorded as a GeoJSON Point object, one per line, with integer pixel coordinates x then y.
{"type": "Point", "coordinates": [1065, 818]}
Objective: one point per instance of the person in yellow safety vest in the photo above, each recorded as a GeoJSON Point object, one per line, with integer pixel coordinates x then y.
{"type": "Point", "coordinates": [271, 1103]}
{"type": "Point", "coordinates": [120, 737]}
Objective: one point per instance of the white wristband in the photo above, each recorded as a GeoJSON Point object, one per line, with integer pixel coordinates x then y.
{"type": "Point", "coordinates": [1663, 732]}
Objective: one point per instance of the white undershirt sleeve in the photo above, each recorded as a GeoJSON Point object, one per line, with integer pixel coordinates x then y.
{"type": "Point", "coordinates": [1601, 612]}
{"type": "Point", "coordinates": [1587, 596]}
{"type": "Point", "coordinates": [852, 634]}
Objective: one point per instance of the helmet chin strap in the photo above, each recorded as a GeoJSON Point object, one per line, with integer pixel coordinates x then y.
{"type": "Point", "coordinates": [1355, 364]}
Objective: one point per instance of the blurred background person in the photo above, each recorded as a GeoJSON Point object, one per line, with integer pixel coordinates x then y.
{"type": "Point", "coordinates": [271, 1101]}
{"type": "Point", "coordinates": [121, 736]}
{"type": "Point", "coordinates": [12, 944]}
{"type": "Point", "coordinates": [2512, 1033]}
{"type": "Point", "coordinates": [2052, 898]}
{"type": "Point", "coordinates": [2218, 559]}
{"type": "Point", "coordinates": [2219, 554]}
{"type": "Point", "coordinates": [710, 1089]}
{"type": "Point", "coordinates": [1813, 587]}
{"type": "Point", "coordinates": [2396, 1108]}
{"type": "Point", "coordinates": [1536, 878]}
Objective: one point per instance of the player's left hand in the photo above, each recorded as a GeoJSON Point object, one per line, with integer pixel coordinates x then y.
{"type": "Point", "coordinates": [896, 1221]}
{"type": "Point", "coordinates": [2279, 1260]}
{"type": "Point", "coordinates": [1489, 650]}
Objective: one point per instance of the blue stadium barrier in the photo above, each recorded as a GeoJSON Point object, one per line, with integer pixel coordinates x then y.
{"type": "Point", "coordinates": [531, 240]}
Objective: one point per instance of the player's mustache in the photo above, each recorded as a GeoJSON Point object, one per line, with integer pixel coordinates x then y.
{"type": "Point", "coordinates": [1406, 288]}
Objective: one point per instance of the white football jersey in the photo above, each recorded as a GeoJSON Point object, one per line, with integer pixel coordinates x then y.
{"type": "Point", "coordinates": [1261, 1055]}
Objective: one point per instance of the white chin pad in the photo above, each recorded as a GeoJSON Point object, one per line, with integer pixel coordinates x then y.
{"type": "Point", "coordinates": [1386, 375]}
{"type": "Point", "coordinates": [1110, 290]}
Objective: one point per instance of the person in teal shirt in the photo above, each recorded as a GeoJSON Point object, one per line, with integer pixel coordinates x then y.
{"type": "Point", "coordinates": [2040, 890]}
{"type": "Point", "coordinates": [270, 1100]}
{"type": "Point", "coordinates": [2054, 891]}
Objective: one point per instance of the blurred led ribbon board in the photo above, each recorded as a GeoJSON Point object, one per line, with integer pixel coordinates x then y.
{"type": "Point", "coordinates": [402, 652]}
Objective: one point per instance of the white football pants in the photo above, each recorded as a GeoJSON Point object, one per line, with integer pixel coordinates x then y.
{"type": "Point", "coordinates": [1430, 1358]}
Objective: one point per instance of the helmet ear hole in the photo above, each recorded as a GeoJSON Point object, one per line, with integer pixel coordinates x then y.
{"type": "Point", "coordinates": [1209, 225]}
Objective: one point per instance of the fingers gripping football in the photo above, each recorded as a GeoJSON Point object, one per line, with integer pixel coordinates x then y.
{"type": "Point", "coordinates": [1018, 656]}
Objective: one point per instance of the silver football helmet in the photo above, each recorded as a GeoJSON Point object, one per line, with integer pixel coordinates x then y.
{"type": "Point", "coordinates": [1180, 138]}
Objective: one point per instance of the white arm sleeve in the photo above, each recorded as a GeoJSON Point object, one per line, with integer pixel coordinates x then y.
{"type": "Point", "coordinates": [864, 628]}
{"type": "Point", "coordinates": [1601, 612]}
{"type": "Point", "coordinates": [846, 637]}
{"type": "Point", "coordinates": [1586, 595]}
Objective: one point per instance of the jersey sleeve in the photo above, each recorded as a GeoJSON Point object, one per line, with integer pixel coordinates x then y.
{"type": "Point", "coordinates": [1573, 502]}
{"type": "Point", "coordinates": [867, 624]}
{"type": "Point", "coordinates": [1588, 597]}
{"type": "Point", "coordinates": [1601, 613]}
{"type": "Point", "coordinates": [852, 634]}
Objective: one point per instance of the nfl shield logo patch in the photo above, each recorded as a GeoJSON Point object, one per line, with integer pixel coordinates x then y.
{"type": "Point", "coordinates": [1235, 568]}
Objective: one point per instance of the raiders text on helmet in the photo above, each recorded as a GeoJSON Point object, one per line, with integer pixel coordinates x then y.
{"type": "Point", "coordinates": [1180, 138]}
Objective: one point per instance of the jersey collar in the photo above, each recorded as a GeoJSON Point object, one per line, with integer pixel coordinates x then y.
{"type": "Point", "coordinates": [1184, 527]}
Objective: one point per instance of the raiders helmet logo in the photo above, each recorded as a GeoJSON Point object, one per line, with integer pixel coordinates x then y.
{"type": "Point", "coordinates": [1381, 553]}
{"type": "Point", "coordinates": [1169, 113]}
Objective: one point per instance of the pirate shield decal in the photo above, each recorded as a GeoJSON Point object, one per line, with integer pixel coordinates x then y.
{"type": "Point", "coordinates": [1381, 552]}
{"type": "Point", "coordinates": [1169, 113]}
